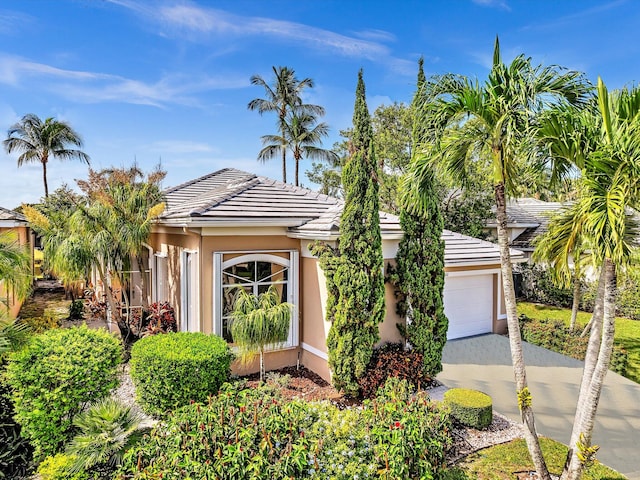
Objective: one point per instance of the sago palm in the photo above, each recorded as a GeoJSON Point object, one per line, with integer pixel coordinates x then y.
{"type": "Point", "coordinates": [282, 97]}
{"type": "Point", "coordinates": [493, 121]}
{"type": "Point", "coordinates": [37, 141]}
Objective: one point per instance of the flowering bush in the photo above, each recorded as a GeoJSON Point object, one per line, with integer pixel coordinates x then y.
{"type": "Point", "coordinates": [254, 434]}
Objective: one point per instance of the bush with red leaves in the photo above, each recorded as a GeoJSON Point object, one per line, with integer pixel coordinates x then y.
{"type": "Point", "coordinates": [392, 360]}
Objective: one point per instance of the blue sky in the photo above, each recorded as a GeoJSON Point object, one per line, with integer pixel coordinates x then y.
{"type": "Point", "coordinates": [169, 80]}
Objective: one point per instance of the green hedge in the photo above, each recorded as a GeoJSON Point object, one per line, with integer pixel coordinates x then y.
{"type": "Point", "coordinates": [555, 335]}
{"type": "Point", "coordinates": [55, 376]}
{"type": "Point", "coordinates": [470, 407]}
{"type": "Point", "coordinates": [174, 369]}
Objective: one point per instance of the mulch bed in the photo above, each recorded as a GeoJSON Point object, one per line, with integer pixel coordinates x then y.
{"type": "Point", "coordinates": [303, 384]}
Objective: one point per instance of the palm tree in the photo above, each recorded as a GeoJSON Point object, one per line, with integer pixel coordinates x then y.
{"type": "Point", "coordinates": [302, 134]}
{"type": "Point", "coordinates": [602, 221]}
{"type": "Point", "coordinates": [38, 140]}
{"type": "Point", "coordinates": [258, 322]}
{"type": "Point", "coordinates": [494, 120]}
{"type": "Point", "coordinates": [282, 97]}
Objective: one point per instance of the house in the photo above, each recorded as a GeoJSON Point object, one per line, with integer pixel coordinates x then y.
{"type": "Point", "coordinates": [527, 218]}
{"type": "Point", "coordinates": [231, 228]}
{"type": "Point", "coordinates": [11, 221]}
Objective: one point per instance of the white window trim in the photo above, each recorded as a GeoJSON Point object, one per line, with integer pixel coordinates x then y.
{"type": "Point", "coordinates": [292, 263]}
{"type": "Point", "coordinates": [184, 301]}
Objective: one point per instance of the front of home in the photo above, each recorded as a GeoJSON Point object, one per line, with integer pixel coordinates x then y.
{"type": "Point", "coordinates": [232, 228]}
{"type": "Point", "coordinates": [16, 223]}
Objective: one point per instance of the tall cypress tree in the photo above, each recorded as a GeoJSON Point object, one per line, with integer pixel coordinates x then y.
{"type": "Point", "coordinates": [419, 275]}
{"type": "Point", "coordinates": [355, 280]}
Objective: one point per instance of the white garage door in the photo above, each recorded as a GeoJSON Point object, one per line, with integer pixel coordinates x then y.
{"type": "Point", "coordinates": [468, 304]}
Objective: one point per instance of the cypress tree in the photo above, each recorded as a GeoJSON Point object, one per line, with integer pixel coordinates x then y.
{"type": "Point", "coordinates": [419, 275]}
{"type": "Point", "coordinates": [355, 281]}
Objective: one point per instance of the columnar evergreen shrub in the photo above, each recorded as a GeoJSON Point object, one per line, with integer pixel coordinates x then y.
{"type": "Point", "coordinates": [353, 271]}
{"type": "Point", "coordinates": [419, 273]}
{"type": "Point", "coordinates": [55, 376]}
{"type": "Point", "coordinates": [171, 370]}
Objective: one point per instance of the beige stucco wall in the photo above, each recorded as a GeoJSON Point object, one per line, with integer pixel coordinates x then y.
{"type": "Point", "coordinates": [9, 301]}
{"type": "Point", "coordinates": [389, 327]}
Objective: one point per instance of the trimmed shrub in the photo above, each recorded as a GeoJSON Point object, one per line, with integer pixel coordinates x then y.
{"type": "Point", "coordinates": [555, 335]}
{"type": "Point", "coordinates": [393, 361]}
{"type": "Point", "coordinates": [55, 376]}
{"type": "Point", "coordinates": [470, 407]}
{"type": "Point", "coordinates": [172, 370]}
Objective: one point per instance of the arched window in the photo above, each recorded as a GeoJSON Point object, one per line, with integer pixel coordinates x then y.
{"type": "Point", "coordinates": [255, 272]}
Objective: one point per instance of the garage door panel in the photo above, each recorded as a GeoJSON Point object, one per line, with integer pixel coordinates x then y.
{"type": "Point", "coordinates": [468, 304]}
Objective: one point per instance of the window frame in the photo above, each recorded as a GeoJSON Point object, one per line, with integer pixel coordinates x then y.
{"type": "Point", "coordinates": [292, 262]}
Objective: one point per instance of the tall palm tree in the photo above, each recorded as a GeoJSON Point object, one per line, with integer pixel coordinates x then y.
{"type": "Point", "coordinates": [601, 218]}
{"type": "Point", "coordinates": [38, 140]}
{"type": "Point", "coordinates": [494, 120]}
{"type": "Point", "coordinates": [282, 97]}
{"type": "Point", "coordinates": [302, 135]}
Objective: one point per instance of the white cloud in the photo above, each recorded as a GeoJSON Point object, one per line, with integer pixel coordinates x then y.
{"type": "Point", "coordinates": [92, 87]}
{"type": "Point", "coordinates": [198, 23]}
{"type": "Point", "coordinates": [493, 4]}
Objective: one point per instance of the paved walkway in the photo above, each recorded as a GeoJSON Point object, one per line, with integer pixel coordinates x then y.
{"type": "Point", "coordinates": [484, 363]}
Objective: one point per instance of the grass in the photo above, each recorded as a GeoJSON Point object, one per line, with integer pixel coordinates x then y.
{"type": "Point", "coordinates": [627, 331]}
{"type": "Point", "coordinates": [501, 462]}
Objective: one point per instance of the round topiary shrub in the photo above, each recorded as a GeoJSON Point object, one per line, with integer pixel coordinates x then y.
{"type": "Point", "coordinates": [55, 376]}
{"type": "Point", "coordinates": [173, 369]}
{"type": "Point", "coordinates": [470, 407]}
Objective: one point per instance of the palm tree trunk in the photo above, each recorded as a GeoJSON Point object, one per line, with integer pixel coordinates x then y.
{"type": "Point", "coordinates": [44, 178]}
{"type": "Point", "coordinates": [515, 340]}
{"type": "Point", "coordinates": [297, 170]}
{"type": "Point", "coordinates": [143, 282]}
{"type": "Point", "coordinates": [600, 347]}
{"type": "Point", "coordinates": [577, 289]}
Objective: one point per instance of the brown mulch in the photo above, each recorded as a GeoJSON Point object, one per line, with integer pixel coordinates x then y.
{"type": "Point", "coordinates": [303, 384]}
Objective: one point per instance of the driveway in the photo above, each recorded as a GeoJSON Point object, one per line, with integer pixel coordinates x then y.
{"type": "Point", "coordinates": [484, 363]}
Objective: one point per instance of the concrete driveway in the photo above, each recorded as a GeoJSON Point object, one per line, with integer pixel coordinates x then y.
{"type": "Point", "coordinates": [484, 363]}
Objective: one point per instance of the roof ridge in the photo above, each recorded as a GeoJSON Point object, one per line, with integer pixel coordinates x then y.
{"type": "Point", "coordinates": [204, 177]}
{"type": "Point", "coordinates": [296, 188]}
{"type": "Point", "coordinates": [242, 184]}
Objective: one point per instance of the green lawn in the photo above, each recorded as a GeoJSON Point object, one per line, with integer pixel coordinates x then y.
{"type": "Point", "coordinates": [500, 462]}
{"type": "Point", "coordinates": [627, 331]}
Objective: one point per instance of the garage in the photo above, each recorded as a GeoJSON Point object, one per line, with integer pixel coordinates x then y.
{"type": "Point", "coordinates": [468, 304]}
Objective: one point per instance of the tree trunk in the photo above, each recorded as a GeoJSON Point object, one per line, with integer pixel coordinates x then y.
{"type": "Point", "coordinates": [297, 170]}
{"type": "Point", "coordinates": [577, 289]}
{"type": "Point", "coordinates": [44, 178]}
{"type": "Point", "coordinates": [600, 349]}
{"type": "Point", "coordinates": [143, 282]}
{"type": "Point", "coordinates": [515, 340]}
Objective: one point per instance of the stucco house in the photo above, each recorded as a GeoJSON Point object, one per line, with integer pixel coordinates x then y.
{"type": "Point", "coordinates": [232, 228]}
{"type": "Point", "coordinates": [11, 221]}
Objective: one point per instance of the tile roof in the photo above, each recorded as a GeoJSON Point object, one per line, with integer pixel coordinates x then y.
{"type": "Point", "coordinates": [532, 213]}
{"type": "Point", "coordinates": [237, 197]}
{"type": "Point", "coordinates": [6, 214]}
{"type": "Point", "coordinates": [234, 196]}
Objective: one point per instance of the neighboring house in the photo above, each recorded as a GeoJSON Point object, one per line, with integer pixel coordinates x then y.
{"type": "Point", "coordinates": [15, 222]}
{"type": "Point", "coordinates": [231, 228]}
{"type": "Point", "coordinates": [527, 218]}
